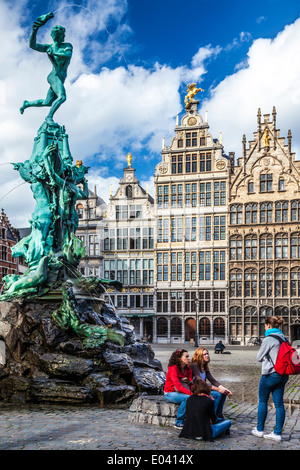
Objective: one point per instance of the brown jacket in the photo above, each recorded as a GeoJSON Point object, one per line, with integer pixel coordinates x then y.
{"type": "Point", "coordinates": [196, 375]}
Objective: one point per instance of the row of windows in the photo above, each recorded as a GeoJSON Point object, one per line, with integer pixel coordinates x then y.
{"type": "Point", "coordinates": [202, 194]}
{"type": "Point", "coordinates": [266, 184]}
{"type": "Point", "coordinates": [134, 238]}
{"type": "Point", "coordinates": [130, 272]}
{"type": "Point", "coordinates": [179, 266]}
{"type": "Point", "coordinates": [265, 283]}
{"type": "Point", "coordinates": [252, 322]}
{"type": "Point", "coordinates": [178, 229]}
{"type": "Point", "coordinates": [204, 327]}
{"type": "Point", "coordinates": [176, 301]}
{"type": "Point", "coordinates": [131, 300]}
{"type": "Point", "coordinates": [280, 246]}
{"type": "Point", "coordinates": [191, 140]}
{"type": "Point", "coordinates": [191, 164]}
{"type": "Point", "coordinates": [281, 211]}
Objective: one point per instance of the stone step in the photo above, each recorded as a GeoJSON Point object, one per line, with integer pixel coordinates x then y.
{"type": "Point", "coordinates": [153, 410]}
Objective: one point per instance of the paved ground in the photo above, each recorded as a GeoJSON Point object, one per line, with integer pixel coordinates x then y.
{"type": "Point", "coordinates": [93, 428]}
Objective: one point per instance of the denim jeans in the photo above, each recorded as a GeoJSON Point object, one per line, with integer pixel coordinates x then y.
{"type": "Point", "coordinates": [219, 400]}
{"type": "Point", "coordinates": [220, 427]}
{"type": "Point", "coordinates": [177, 397]}
{"type": "Point", "coordinates": [273, 383]}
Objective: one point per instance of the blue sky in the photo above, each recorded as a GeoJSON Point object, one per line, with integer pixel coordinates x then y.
{"type": "Point", "coordinates": [127, 80]}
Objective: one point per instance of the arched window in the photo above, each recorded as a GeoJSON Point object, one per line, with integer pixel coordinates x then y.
{"type": "Point", "coordinates": [236, 212]}
{"type": "Point", "coordinates": [235, 247]}
{"type": "Point", "coordinates": [176, 326]}
{"type": "Point", "coordinates": [129, 191]}
{"type": "Point", "coordinates": [204, 327]}
{"type": "Point", "coordinates": [281, 282]}
{"type": "Point", "coordinates": [250, 321]}
{"type": "Point", "coordinates": [295, 210]}
{"type": "Point", "coordinates": [251, 213]}
{"type": "Point", "coordinates": [265, 212]}
{"type": "Point", "coordinates": [265, 283]}
{"type": "Point", "coordinates": [162, 326]}
{"type": "Point", "coordinates": [219, 327]}
{"type": "Point", "coordinates": [235, 283]}
{"type": "Point", "coordinates": [250, 283]}
{"type": "Point", "coordinates": [295, 245]}
{"type": "Point", "coordinates": [251, 247]}
{"type": "Point", "coordinates": [281, 211]}
{"type": "Point", "coordinates": [235, 321]}
{"type": "Point", "coordinates": [265, 247]}
{"type": "Point", "coordinates": [281, 246]}
{"type": "Point", "coordinates": [295, 282]}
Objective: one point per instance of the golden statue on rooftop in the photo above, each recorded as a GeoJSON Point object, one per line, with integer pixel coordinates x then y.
{"type": "Point", "coordinates": [266, 138]}
{"type": "Point", "coordinates": [192, 91]}
{"type": "Point", "coordinates": [129, 159]}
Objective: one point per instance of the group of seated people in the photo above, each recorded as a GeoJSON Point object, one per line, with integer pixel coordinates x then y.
{"type": "Point", "coordinates": [200, 412]}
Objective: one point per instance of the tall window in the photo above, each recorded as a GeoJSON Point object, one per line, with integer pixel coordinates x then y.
{"type": "Point", "coordinates": [295, 282]}
{"type": "Point", "coordinates": [235, 283]}
{"type": "Point", "coordinates": [281, 211]}
{"type": "Point", "coordinates": [205, 162]}
{"type": "Point", "coordinates": [236, 214]}
{"type": "Point", "coordinates": [281, 282]}
{"type": "Point", "coordinates": [204, 265]}
{"type": "Point", "coordinates": [162, 302]}
{"type": "Point", "coordinates": [205, 194]}
{"type": "Point", "coordinates": [235, 248]}
{"type": "Point", "coordinates": [251, 213]}
{"type": "Point", "coordinates": [177, 164]}
{"type": "Point", "coordinates": [250, 283]}
{"type": "Point", "coordinates": [281, 246]}
{"type": "Point", "coordinates": [295, 245]}
{"type": "Point", "coordinates": [191, 195]}
{"type": "Point", "coordinates": [204, 327]}
{"type": "Point", "coordinates": [176, 266]}
{"type": "Point", "coordinates": [250, 247]}
{"type": "Point", "coordinates": [162, 266]}
{"type": "Point", "coordinates": [266, 181]}
{"type": "Point", "coordinates": [265, 247]}
{"type": "Point", "coordinates": [295, 210]}
{"type": "Point", "coordinates": [190, 229]}
{"type": "Point", "coordinates": [219, 228]}
{"type": "Point", "coordinates": [266, 212]}
{"type": "Point", "coordinates": [219, 265]}
{"type": "Point", "coordinates": [176, 302]}
{"type": "Point", "coordinates": [190, 265]}
{"type": "Point", "coordinates": [265, 283]}
{"type": "Point", "coordinates": [219, 193]}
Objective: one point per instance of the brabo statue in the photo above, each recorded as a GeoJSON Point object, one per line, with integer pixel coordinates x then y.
{"type": "Point", "coordinates": [52, 251]}
{"type": "Point", "coordinates": [60, 54]}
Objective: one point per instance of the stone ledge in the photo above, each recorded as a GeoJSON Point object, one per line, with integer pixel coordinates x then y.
{"type": "Point", "coordinates": [153, 410]}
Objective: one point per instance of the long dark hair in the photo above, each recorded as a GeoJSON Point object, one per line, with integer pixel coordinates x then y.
{"type": "Point", "coordinates": [175, 358]}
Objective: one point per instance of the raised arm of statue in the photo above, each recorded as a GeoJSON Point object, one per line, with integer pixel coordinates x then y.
{"type": "Point", "coordinates": [36, 25]}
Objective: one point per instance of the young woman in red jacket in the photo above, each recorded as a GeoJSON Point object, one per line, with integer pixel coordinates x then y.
{"type": "Point", "coordinates": [178, 383]}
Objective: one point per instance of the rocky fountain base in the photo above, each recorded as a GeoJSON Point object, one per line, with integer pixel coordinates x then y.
{"type": "Point", "coordinates": [65, 348]}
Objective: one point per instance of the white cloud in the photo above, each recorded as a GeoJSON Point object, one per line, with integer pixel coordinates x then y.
{"type": "Point", "coordinates": [270, 77]}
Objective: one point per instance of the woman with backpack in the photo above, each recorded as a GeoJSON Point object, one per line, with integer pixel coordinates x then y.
{"type": "Point", "coordinates": [271, 381]}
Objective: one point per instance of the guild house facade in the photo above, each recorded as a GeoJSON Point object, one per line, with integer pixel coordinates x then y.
{"type": "Point", "coordinates": [264, 234]}
{"type": "Point", "coordinates": [216, 250]}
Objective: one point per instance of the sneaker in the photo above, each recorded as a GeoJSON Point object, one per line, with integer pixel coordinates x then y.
{"type": "Point", "coordinates": [178, 426]}
{"type": "Point", "coordinates": [275, 437]}
{"type": "Point", "coordinates": [257, 433]}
